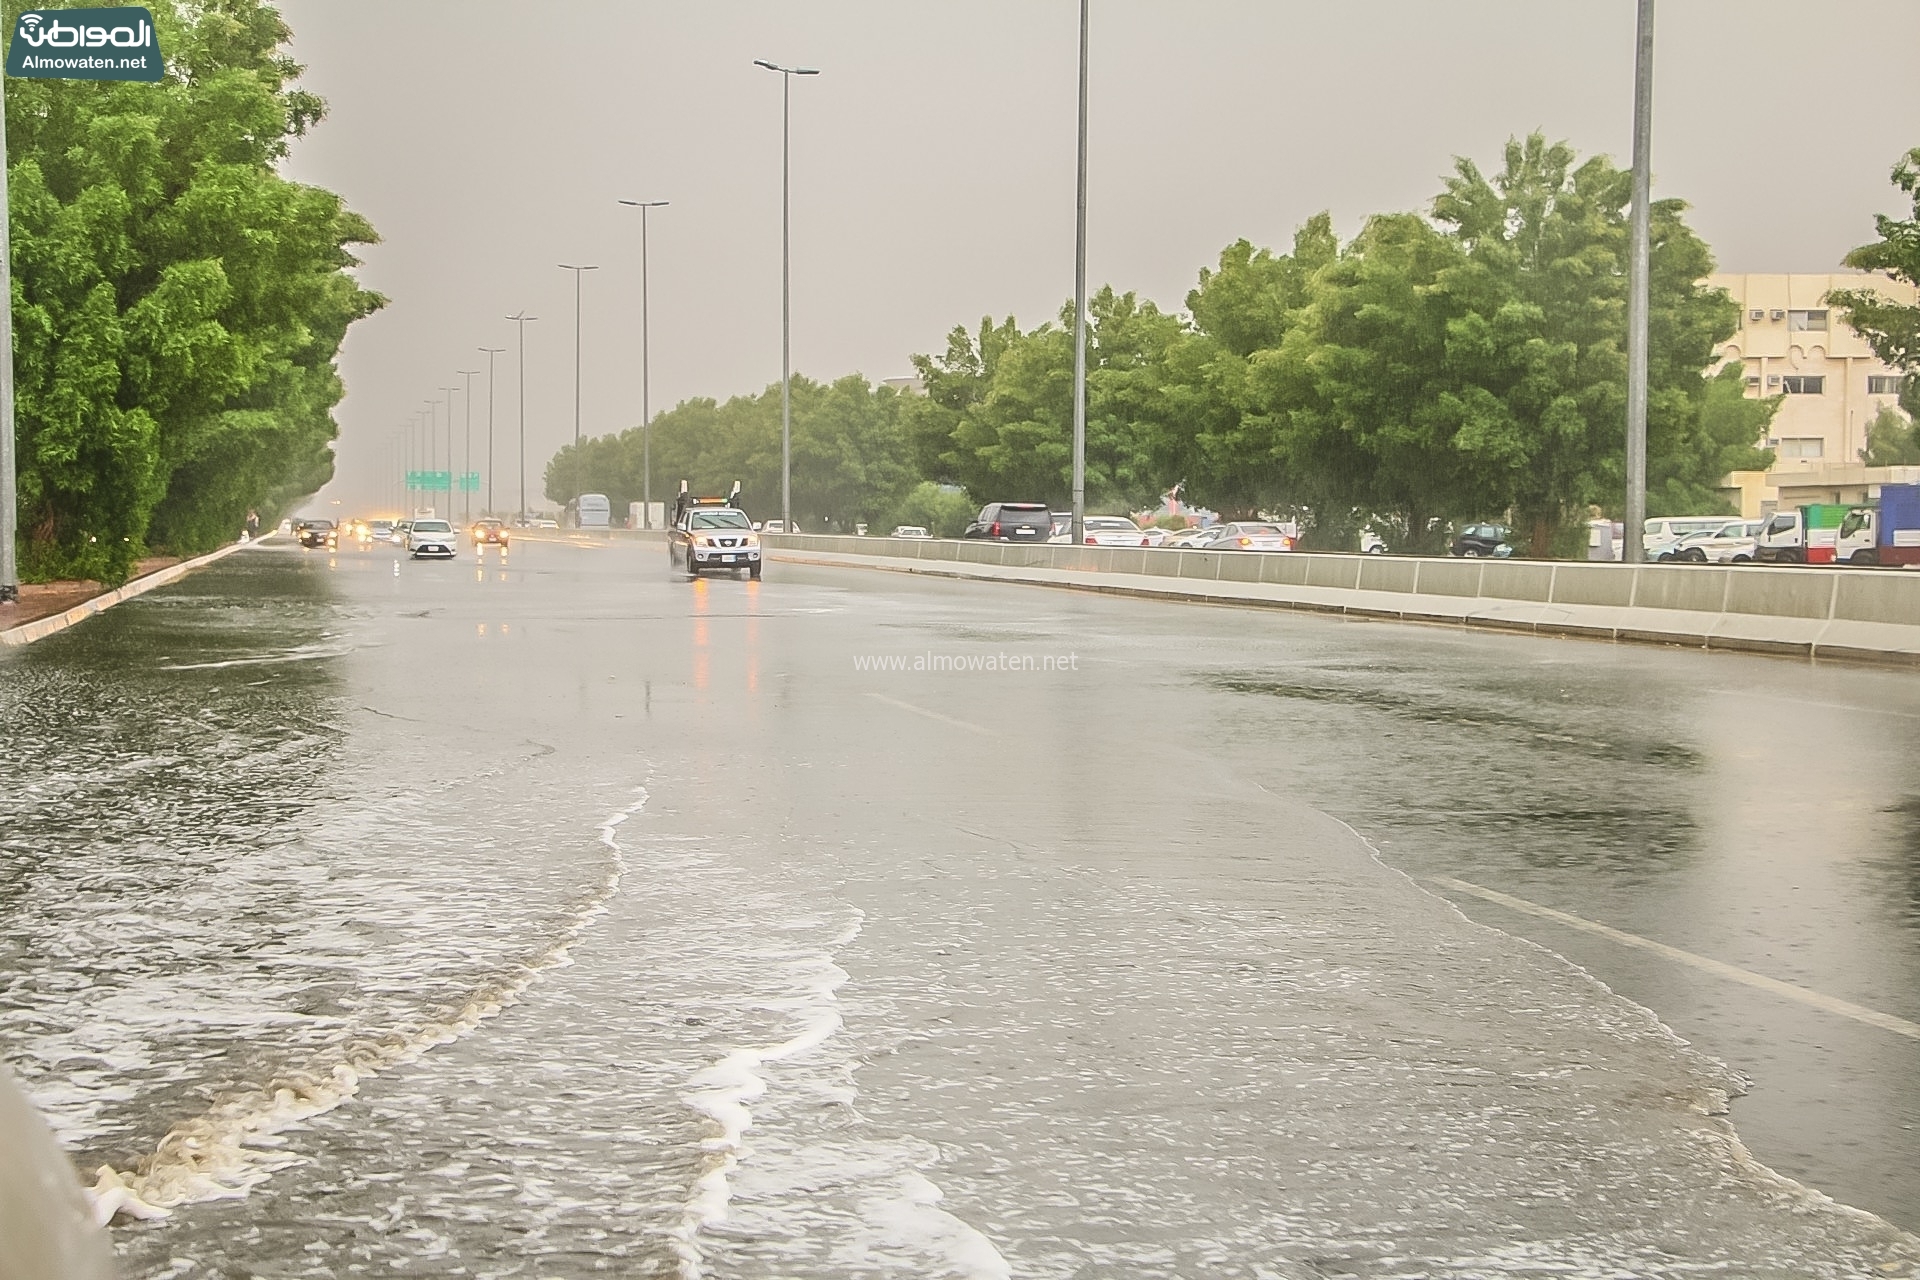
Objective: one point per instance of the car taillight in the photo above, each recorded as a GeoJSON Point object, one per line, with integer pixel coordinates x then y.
{"type": "Point", "coordinates": [1246, 542]}
{"type": "Point", "coordinates": [995, 531]}
{"type": "Point", "coordinates": [1143, 542]}
{"type": "Point", "coordinates": [1090, 541]}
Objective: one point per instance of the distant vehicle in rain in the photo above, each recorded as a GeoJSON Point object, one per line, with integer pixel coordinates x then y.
{"type": "Point", "coordinates": [711, 534]}
{"type": "Point", "coordinates": [317, 533]}
{"type": "Point", "coordinates": [910, 531]}
{"type": "Point", "coordinates": [430, 538]}
{"type": "Point", "coordinates": [488, 531]}
{"type": "Point", "coordinates": [592, 511]}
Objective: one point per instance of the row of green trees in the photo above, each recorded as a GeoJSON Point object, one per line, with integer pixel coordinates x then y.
{"type": "Point", "coordinates": [177, 303]}
{"type": "Point", "coordinates": [1462, 362]}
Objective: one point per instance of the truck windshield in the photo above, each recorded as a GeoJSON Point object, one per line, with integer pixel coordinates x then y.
{"type": "Point", "coordinates": [721, 520]}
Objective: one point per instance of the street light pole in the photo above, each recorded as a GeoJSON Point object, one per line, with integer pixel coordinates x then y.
{"type": "Point", "coordinates": [1632, 548]}
{"type": "Point", "coordinates": [491, 353]}
{"type": "Point", "coordinates": [576, 377]}
{"type": "Point", "coordinates": [450, 393]}
{"type": "Point", "coordinates": [786, 284]}
{"type": "Point", "coordinates": [466, 469]}
{"type": "Point", "coordinates": [521, 319]}
{"type": "Point", "coordinates": [646, 359]}
{"type": "Point", "coordinates": [433, 430]}
{"type": "Point", "coordinates": [1079, 526]}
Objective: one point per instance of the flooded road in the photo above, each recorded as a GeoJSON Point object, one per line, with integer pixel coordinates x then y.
{"type": "Point", "coordinates": [549, 918]}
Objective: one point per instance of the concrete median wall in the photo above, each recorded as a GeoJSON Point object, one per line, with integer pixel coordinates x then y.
{"type": "Point", "coordinates": [1854, 614]}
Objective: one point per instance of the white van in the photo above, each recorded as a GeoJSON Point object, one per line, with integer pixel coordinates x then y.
{"type": "Point", "coordinates": [592, 511]}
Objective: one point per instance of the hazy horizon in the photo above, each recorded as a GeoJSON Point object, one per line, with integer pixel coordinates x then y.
{"type": "Point", "coordinates": [933, 167]}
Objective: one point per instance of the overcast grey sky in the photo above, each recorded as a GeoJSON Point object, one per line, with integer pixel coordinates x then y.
{"type": "Point", "coordinates": [488, 141]}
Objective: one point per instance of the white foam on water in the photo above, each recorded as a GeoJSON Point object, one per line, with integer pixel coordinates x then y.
{"type": "Point", "coordinates": [232, 1147]}
{"type": "Point", "coordinates": [723, 1091]}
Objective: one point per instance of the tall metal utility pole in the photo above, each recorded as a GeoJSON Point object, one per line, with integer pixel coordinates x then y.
{"type": "Point", "coordinates": [1079, 528]}
{"type": "Point", "coordinates": [1632, 548]}
{"type": "Point", "coordinates": [9, 497]}
{"type": "Point", "coordinates": [646, 359]}
{"type": "Point", "coordinates": [786, 284]}
{"type": "Point", "coordinates": [450, 393]}
{"type": "Point", "coordinates": [521, 319]}
{"type": "Point", "coordinates": [466, 469]}
{"type": "Point", "coordinates": [433, 431]}
{"type": "Point", "coordinates": [491, 353]}
{"type": "Point", "coordinates": [577, 273]}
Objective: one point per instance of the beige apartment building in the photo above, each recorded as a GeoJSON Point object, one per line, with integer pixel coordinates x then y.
{"type": "Point", "coordinates": [1795, 346]}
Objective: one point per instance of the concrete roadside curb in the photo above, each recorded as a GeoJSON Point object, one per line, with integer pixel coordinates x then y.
{"type": "Point", "coordinates": [41, 628]}
{"type": "Point", "coordinates": [1882, 644]}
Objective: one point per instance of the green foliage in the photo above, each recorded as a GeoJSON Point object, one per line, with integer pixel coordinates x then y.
{"type": "Point", "coordinates": [851, 455]}
{"type": "Point", "coordinates": [1893, 440]}
{"type": "Point", "coordinates": [1892, 329]}
{"type": "Point", "coordinates": [177, 304]}
{"type": "Point", "coordinates": [1467, 363]}
{"type": "Point", "coordinates": [941, 510]}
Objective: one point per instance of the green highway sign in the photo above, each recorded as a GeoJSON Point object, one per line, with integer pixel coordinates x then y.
{"type": "Point", "coordinates": [430, 480]}
{"type": "Point", "coordinates": [85, 44]}
{"type": "Point", "coordinates": [470, 482]}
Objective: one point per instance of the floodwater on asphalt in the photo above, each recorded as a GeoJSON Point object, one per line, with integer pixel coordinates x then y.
{"type": "Point", "coordinates": [543, 917]}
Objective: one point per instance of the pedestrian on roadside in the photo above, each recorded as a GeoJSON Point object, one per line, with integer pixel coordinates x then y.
{"type": "Point", "coordinates": [253, 524]}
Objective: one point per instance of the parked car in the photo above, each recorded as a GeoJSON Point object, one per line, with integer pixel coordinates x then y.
{"type": "Point", "coordinates": [1113, 531]}
{"type": "Point", "coordinates": [488, 531]}
{"type": "Point", "coordinates": [1012, 522]}
{"type": "Point", "coordinates": [1251, 535]}
{"type": "Point", "coordinates": [1183, 539]}
{"type": "Point", "coordinates": [1732, 543]}
{"type": "Point", "coordinates": [1483, 540]}
{"type": "Point", "coordinates": [774, 526]}
{"type": "Point", "coordinates": [909, 531]}
{"type": "Point", "coordinates": [430, 538]}
{"type": "Point", "coordinates": [1372, 544]}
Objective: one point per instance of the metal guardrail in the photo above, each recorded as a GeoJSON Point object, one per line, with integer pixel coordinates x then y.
{"type": "Point", "coordinates": [1871, 614]}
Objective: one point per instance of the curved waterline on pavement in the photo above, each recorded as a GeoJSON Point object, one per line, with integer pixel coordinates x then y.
{"type": "Point", "coordinates": [232, 1147]}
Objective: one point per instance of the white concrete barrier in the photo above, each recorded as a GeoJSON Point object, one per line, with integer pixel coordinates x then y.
{"type": "Point", "coordinates": [1841, 613]}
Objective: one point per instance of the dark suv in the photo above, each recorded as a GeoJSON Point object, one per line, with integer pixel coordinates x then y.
{"type": "Point", "coordinates": [1013, 522]}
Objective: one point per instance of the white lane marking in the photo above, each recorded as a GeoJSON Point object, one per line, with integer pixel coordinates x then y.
{"type": "Point", "coordinates": [931, 715]}
{"type": "Point", "coordinates": [1719, 968]}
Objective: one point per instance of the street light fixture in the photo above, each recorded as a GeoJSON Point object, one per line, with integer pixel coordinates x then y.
{"type": "Point", "coordinates": [1633, 547]}
{"type": "Point", "coordinates": [466, 469]}
{"type": "Point", "coordinates": [450, 391]}
{"type": "Point", "coordinates": [1079, 526]}
{"type": "Point", "coordinates": [491, 353]}
{"type": "Point", "coordinates": [786, 285]}
{"type": "Point", "coordinates": [521, 319]}
{"type": "Point", "coordinates": [577, 273]}
{"type": "Point", "coordinates": [646, 357]}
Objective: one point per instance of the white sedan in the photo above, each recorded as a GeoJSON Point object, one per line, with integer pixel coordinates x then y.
{"type": "Point", "coordinates": [430, 538]}
{"type": "Point", "coordinates": [1731, 543]}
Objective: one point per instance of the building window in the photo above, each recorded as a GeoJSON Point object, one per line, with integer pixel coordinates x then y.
{"type": "Point", "coordinates": [1883, 384]}
{"type": "Point", "coordinates": [1797, 385]}
{"type": "Point", "coordinates": [1804, 447]}
{"type": "Point", "coordinates": [1806, 321]}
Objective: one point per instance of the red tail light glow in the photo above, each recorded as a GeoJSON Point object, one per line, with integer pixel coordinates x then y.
{"type": "Point", "coordinates": [996, 530]}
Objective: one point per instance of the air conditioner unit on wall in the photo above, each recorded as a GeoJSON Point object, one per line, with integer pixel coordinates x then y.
{"type": "Point", "coordinates": [1753, 379]}
{"type": "Point", "coordinates": [1756, 314]}
{"type": "Point", "coordinates": [1773, 379]}
{"type": "Point", "coordinates": [1779, 314]}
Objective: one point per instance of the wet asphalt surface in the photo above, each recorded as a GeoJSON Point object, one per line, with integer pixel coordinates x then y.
{"type": "Point", "coordinates": [546, 916]}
